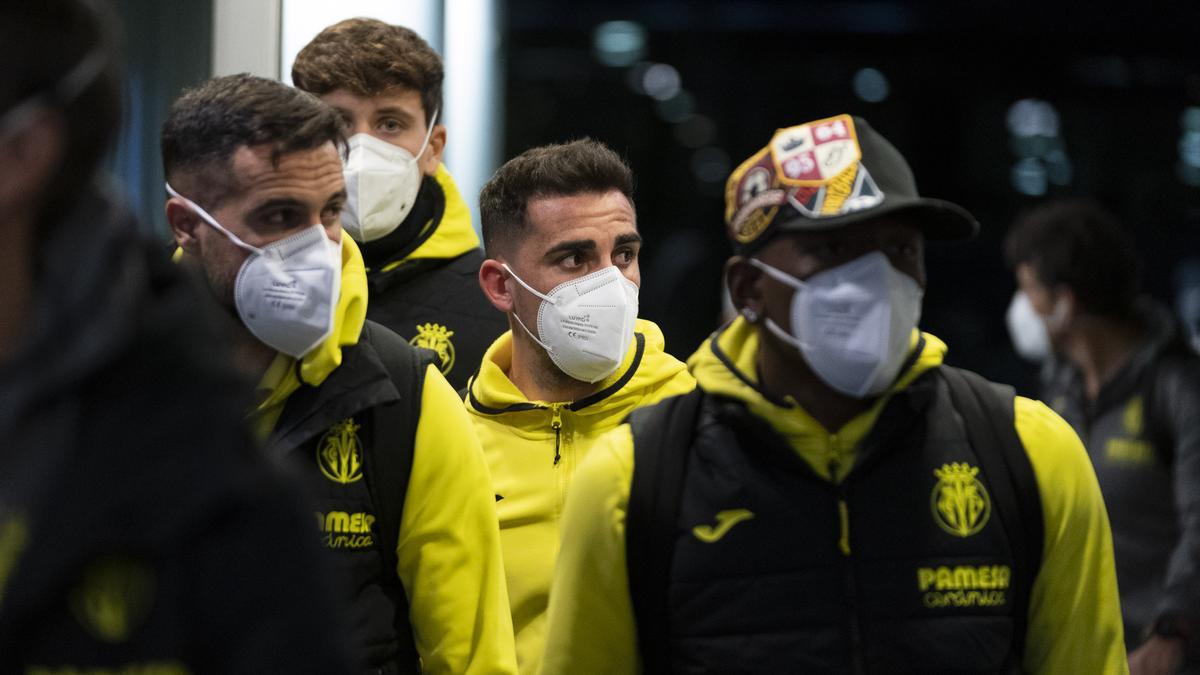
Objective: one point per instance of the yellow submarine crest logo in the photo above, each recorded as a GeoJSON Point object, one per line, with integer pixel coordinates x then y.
{"type": "Point", "coordinates": [960, 503]}
{"type": "Point", "coordinates": [436, 337]}
{"type": "Point", "coordinates": [113, 598]}
{"type": "Point", "coordinates": [339, 454]}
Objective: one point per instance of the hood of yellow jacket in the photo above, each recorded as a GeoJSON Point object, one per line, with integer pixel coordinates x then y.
{"type": "Point", "coordinates": [620, 392]}
{"type": "Point", "coordinates": [454, 235]}
{"type": "Point", "coordinates": [736, 376]}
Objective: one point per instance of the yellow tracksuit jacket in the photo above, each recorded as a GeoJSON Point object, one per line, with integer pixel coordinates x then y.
{"type": "Point", "coordinates": [448, 549]}
{"type": "Point", "coordinates": [1075, 620]}
{"type": "Point", "coordinates": [521, 439]}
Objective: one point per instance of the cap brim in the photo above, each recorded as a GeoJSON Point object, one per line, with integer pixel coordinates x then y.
{"type": "Point", "coordinates": [938, 220]}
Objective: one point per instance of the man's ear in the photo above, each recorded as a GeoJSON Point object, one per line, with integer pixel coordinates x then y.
{"type": "Point", "coordinates": [745, 289]}
{"type": "Point", "coordinates": [183, 222]}
{"type": "Point", "coordinates": [493, 279]}
{"type": "Point", "coordinates": [435, 151]}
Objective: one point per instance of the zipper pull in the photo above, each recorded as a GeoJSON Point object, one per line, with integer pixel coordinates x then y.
{"type": "Point", "coordinates": [844, 519]}
{"type": "Point", "coordinates": [556, 425]}
{"type": "Point", "coordinates": [843, 509]}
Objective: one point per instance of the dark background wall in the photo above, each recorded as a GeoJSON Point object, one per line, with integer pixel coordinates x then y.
{"type": "Point", "coordinates": [1120, 83]}
{"type": "Point", "coordinates": [167, 47]}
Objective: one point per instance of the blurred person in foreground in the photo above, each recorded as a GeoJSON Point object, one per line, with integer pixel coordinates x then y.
{"type": "Point", "coordinates": [563, 262]}
{"type": "Point", "coordinates": [402, 206]}
{"type": "Point", "coordinates": [398, 482]}
{"type": "Point", "coordinates": [139, 530]}
{"type": "Point", "coordinates": [832, 497]}
{"type": "Point", "coordinates": [1119, 369]}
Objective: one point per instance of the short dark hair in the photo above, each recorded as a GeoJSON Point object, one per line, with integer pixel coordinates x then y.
{"type": "Point", "coordinates": [42, 42]}
{"type": "Point", "coordinates": [207, 125]}
{"type": "Point", "coordinates": [368, 57]}
{"type": "Point", "coordinates": [561, 169]}
{"type": "Point", "coordinates": [1077, 244]}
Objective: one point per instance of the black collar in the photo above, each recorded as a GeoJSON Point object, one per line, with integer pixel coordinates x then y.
{"type": "Point", "coordinates": [416, 228]}
{"type": "Point", "coordinates": [575, 406]}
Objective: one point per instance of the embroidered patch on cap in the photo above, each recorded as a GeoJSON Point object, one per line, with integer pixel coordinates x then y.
{"type": "Point", "coordinates": [815, 169]}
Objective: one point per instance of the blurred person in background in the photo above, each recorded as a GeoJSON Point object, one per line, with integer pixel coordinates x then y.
{"type": "Point", "coordinates": [1119, 370]}
{"type": "Point", "coordinates": [562, 244]}
{"type": "Point", "coordinates": [832, 497]}
{"type": "Point", "coordinates": [402, 206]}
{"type": "Point", "coordinates": [398, 482]}
{"type": "Point", "coordinates": [139, 530]}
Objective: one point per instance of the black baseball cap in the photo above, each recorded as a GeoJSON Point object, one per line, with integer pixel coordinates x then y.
{"type": "Point", "coordinates": [826, 174]}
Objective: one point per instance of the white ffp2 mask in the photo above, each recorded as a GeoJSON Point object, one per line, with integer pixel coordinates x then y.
{"type": "Point", "coordinates": [586, 324]}
{"type": "Point", "coordinates": [852, 324]}
{"type": "Point", "coordinates": [286, 292]}
{"type": "Point", "coordinates": [1030, 331]}
{"type": "Point", "coordinates": [382, 182]}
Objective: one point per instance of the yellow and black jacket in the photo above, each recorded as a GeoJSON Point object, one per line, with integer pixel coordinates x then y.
{"type": "Point", "coordinates": [424, 281]}
{"type": "Point", "coordinates": [533, 448]}
{"type": "Point", "coordinates": [895, 557]}
{"type": "Point", "coordinates": [362, 425]}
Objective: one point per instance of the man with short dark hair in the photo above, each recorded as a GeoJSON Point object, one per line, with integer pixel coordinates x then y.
{"type": "Point", "coordinates": [1119, 370]}
{"type": "Point", "coordinates": [255, 178]}
{"type": "Point", "coordinates": [139, 530]}
{"type": "Point", "coordinates": [832, 497]}
{"type": "Point", "coordinates": [402, 206]}
{"type": "Point", "coordinates": [562, 244]}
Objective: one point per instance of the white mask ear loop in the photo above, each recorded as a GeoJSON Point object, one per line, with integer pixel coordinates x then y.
{"type": "Point", "coordinates": [428, 135]}
{"type": "Point", "coordinates": [529, 288]}
{"type": "Point", "coordinates": [777, 275]}
{"type": "Point", "coordinates": [785, 279]}
{"type": "Point", "coordinates": [213, 221]}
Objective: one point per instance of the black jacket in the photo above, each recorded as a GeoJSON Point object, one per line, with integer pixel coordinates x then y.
{"type": "Point", "coordinates": [351, 439]}
{"type": "Point", "coordinates": [1143, 435]}
{"type": "Point", "coordinates": [433, 302]}
{"type": "Point", "coordinates": [138, 526]}
{"type": "Point", "coordinates": [941, 584]}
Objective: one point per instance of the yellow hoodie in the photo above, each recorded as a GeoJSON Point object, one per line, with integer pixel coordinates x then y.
{"type": "Point", "coordinates": [1074, 617]}
{"type": "Point", "coordinates": [448, 548]}
{"type": "Point", "coordinates": [533, 448]}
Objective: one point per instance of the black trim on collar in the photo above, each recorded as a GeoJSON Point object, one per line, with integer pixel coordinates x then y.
{"type": "Point", "coordinates": [639, 350]}
{"type": "Point", "coordinates": [728, 363]}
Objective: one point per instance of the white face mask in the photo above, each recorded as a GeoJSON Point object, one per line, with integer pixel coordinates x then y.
{"type": "Point", "coordinates": [286, 292]}
{"type": "Point", "coordinates": [1030, 331]}
{"type": "Point", "coordinates": [852, 323]}
{"type": "Point", "coordinates": [586, 324]}
{"type": "Point", "coordinates": [382, 182]}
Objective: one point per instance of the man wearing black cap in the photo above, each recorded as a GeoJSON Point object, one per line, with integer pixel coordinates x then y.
{"type": "Point", "coordinates": [832, 498]}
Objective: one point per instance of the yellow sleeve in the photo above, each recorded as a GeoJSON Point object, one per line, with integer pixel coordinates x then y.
{"type": "Point", "coordinates": [590, 616]}
{"type": "Point", "coordinates": [449, 545]}
{"type": "Point", "coordinates": [1074, 611]}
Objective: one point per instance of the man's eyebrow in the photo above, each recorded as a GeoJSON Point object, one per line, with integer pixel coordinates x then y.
{"type": "Point", "coordinates": [573, 245]}
{"type": "Point", "coordinates": [339, 196]}
{"type": "Point", "coordinates": [392, 110]}
{"type": "Point", "coordinates": [278, 202]}
{"type": "Point", "coordinates": [629, 238]}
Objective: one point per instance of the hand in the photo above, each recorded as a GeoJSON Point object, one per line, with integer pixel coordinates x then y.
{"type": "Point", "coordinates": [1157, 656]}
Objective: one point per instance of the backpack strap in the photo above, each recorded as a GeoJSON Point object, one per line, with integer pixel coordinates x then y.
{"type": "Point", "coordinates": [988, 414]}
{"type": "Point", "coordinates": [662, 439]}
{"type": "Point", "coordinates": [395, 427]}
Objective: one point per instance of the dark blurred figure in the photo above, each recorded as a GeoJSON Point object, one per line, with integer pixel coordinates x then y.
{"type": "Point", "coordinates": [1118, 369]}
{"type": "Point", "coordinates": [138, 532]}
